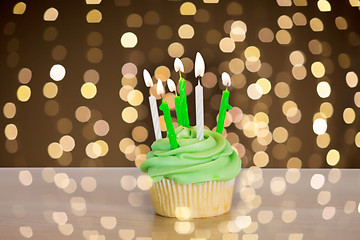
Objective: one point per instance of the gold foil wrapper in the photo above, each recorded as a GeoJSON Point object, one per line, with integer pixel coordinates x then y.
{"type": "Point", "coordinates": [186, 201]}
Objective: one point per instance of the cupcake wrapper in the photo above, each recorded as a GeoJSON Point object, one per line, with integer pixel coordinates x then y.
{"type": "Point", "coordinates": [186, 201]}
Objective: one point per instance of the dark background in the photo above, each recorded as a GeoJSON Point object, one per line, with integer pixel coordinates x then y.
{"type": "Point", "coordinates": [23, 45]}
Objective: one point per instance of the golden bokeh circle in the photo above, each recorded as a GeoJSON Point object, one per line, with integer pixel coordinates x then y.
{"type": "Point", "coordinates": [88, 90]}
{"type": "Point", "coordinates": [129, 114]}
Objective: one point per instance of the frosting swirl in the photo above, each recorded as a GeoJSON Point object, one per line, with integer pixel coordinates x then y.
{"type": "Point", "coordinates": [194, 161]}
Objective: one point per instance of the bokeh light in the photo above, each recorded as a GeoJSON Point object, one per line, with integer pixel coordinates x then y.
{"type": "Point", "coordinates": [186, 31]}
{"type": "Point", "coordinates": [320, 126]}
{"type": "Point", "coordinates": [19, 8]}
{"type": "Point", "coordinates": [323, 89]}
{"type": "Point", "coordinates": [129, 114]}
{"type": "Point", "coordinates": [187, 8]}
{"type": "Point", "coordinates": [50, 90]}
{"type": "Point", "coordinates": [23, 93]}
{"type": "Point", "coordinates": [51, 14]}
{"type": "Point", "coordinates": [88, 90]}
{"type": "Point", "coordinates": [129, 40]}
{"type": "Point", "coordinates": [55, 150]}
{"type": "Point", "coordinates": [333, 157]}
{"type": "Point", "coordinates": [57, 72]}
{"type": "Point", "coordinates": [9, 110]}
{"type": "Point", "coordinates": [94, 16]}
{"type": "Point", "coordinates": [24, 75]}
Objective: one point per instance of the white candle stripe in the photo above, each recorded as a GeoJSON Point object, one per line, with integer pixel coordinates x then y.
{"type": "Point", "coordinates": [155, 117]}
{"type": "Point", "coordinates": [199, 101]}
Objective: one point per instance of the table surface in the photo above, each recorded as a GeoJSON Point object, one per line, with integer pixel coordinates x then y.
{"type": "Point", "coordinates": [114, 203]}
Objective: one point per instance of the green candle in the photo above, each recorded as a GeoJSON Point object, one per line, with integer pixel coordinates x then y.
{"type": "Point", "coordinates": [224, 106]}
{"type": "Point", "coordinates": [178, 110]}
{"type": "Point", "coordinates": [169, 126]}
{"type": "Point", "coordinates": [172, 88]}
{"type": "Point", "coordinates": [183, 103]}
{"type": "Point", "coordinates": [222, 113]}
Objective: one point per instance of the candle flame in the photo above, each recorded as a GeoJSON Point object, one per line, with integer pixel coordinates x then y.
{"type": "Point", "coordinates": [199, 65]}
{"type": "Point", "coordinates": [147, 78]}
{"type": "Point", "coordinates": [171, 85]}
{"type": "Point", "coordinates": [226, 79]}
{"type": "Point", "coordinates": [160, 88]}
{"type": "Point", "coordinates": [178, 65]}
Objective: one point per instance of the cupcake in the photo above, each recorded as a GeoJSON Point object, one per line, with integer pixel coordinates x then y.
{"type": "Point", "coordinates": [195, 180]}
{"type": "Point", "coordinates": [193, 169]}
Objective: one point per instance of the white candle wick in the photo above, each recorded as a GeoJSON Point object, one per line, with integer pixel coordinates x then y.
{"type": "Point", "coordinates": [226, 80]}
{"type": "Point", "coordinates": [147, 78]}
{"type": "Point", "coordinates": [178, 65]}
{"type": "Point", "coordinates": [199, 65]}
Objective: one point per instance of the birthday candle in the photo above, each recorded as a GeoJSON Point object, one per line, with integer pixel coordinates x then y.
{"type": "Point", "coordinates": [199, 99]}
{"type": "Point", "coordinates": [153, 106]}
{"type": "Point", "coordinates": [172, 88]}
{"type": "Point", "coordinates": [179, 67]}
{"type": "Point", "coordinates": [167, 116]}
{"type": "Point", "coordinates": [224, 106]}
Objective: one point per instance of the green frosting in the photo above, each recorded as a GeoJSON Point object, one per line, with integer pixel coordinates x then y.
{"type": "Point", "coordinates": [193, 161]}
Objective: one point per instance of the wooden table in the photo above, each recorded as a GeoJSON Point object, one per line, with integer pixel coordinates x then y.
{"type": "Point", "coordinates": [114, 203]}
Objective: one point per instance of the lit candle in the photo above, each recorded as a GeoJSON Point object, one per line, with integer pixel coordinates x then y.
{"type": "Point", "coordinates": [199, 99]}
{"type": "Point", "coordinates": [172, 88]}
{"type": "Point", "coordinates": [224, 106]}
{"type": "Point", "coordinates": [167, 116]}
{"type": "Point", "coordinates": [179, 67]}
{"type": "Point", "coordinates": [153, 106]}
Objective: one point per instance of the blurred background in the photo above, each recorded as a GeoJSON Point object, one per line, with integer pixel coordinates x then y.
{"type": "Point", "coordinates": [72, 91]}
